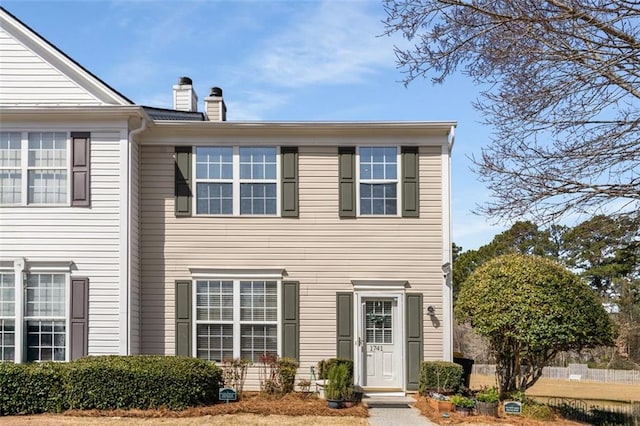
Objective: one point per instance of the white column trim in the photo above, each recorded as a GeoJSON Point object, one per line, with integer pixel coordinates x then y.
{"type": "Point", "coordinates": [123, 345]}
{"type": "Point", "coordinates": [18, 351]}
{"type": "Point", "coordinates": [447, 293]}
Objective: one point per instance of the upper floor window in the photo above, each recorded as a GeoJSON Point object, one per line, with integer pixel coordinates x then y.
{"type": "Point", "coordinates": [378, 180]}
{"type": "Point", "coordinates": [34, 168]}
{"type": "Point", "coordinates": [236, 180]}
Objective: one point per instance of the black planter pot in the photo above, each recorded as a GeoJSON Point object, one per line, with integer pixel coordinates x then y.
{"type": "Point", "coordinates": [334, 403]}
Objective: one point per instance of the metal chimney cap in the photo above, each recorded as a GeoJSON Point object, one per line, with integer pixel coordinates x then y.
{"type": "Point", "coordinates": [216, 91]}
{"type": "Point", "coordinates": [184, 81]}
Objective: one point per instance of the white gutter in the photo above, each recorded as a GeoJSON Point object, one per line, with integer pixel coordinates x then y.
{"type": "Point", "coordinates": [127, 295]}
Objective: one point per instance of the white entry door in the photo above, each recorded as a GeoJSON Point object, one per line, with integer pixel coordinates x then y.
{"type": "Point", "coordinates": [382, 346]}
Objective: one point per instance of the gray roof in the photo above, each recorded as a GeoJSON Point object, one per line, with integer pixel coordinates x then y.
{"type": "Point", "coordinates": [163, 114]}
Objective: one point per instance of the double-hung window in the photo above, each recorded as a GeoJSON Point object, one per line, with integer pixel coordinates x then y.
{"type": "Point", "coordinates": [378, 180]}
{"type": "Point", "coordinates": [45, 317]}
{"type": "Point", "coordinates": [236, 318]}
{"type": "Point", "coordinates": [33, 314]}
{"type": "Point", "coordinates": [7, 316]}
{"type": "Point", "coordinates": [236, 180]}
{"type": "Point", "coordinates": [34, 168]}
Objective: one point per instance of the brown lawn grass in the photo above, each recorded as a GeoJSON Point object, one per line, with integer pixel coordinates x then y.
{"type": "Point", "coordinates": [564, 388]}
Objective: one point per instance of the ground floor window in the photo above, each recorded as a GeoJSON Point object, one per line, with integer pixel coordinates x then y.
{"type": "Point", "coordinates": [42, 314]}
{"type": "Point", "coordinates": [236, 318]}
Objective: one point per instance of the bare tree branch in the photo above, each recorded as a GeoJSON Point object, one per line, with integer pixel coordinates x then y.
{"type": "Point", "coordinates": [560, 85]}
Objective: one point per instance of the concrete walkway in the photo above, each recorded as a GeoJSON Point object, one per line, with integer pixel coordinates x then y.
{"type": "Point", "coordinates": [394, 410]}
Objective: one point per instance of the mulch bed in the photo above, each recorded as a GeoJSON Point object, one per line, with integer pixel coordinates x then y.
{"type": "Point", "coordinates": [296, 404]}
{"type": "Point", "coordinates": [456, 419]}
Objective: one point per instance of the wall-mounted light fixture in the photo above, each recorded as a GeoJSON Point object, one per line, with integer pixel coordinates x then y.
{"type": "Point", "coordinates": [446, 269]}
{"type": "Point", "coordinates": [431, 310]}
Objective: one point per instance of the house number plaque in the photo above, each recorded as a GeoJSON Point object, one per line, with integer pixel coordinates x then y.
{"type": "Point", "coordinates": [375, 348]}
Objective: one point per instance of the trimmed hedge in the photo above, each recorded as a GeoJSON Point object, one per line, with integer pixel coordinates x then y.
{"type": "Point", "coordinates": [32, 388]}
{"type": "Point", "coordinates": [439, 376]}
{"type": "Point", "coordinates": [108, 382]}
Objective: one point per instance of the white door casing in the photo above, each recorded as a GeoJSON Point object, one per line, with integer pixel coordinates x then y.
{"type": "Point", "coordinates": [381, 346]}
{"type": "Point", "coordinates": [379, 342]}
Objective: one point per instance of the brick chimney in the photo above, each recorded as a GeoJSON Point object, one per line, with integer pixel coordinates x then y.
{"type": "Point", "coordinates": [214, 105]}
{"type": "Point", "coordinates": [184, 97]}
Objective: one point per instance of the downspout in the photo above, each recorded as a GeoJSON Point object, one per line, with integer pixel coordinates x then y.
{"type": "Point", "coordinates": [127, 295]}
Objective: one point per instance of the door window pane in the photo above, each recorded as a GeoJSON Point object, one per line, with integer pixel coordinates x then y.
{"type": "Point", "coordinates": [378, 321]}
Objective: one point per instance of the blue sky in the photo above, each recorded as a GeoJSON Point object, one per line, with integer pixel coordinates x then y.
{"type": "Point", "coordinates": [275, 60]}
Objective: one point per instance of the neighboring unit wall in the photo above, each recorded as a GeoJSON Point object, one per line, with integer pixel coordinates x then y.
{"type": "Point", "coordinates": [318, 249]}
{"type": "Point", "coordinates": [87, 236]}
{"type": "Point", "coordinates": [27, 79]}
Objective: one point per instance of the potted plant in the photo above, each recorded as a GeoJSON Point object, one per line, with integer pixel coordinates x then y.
{"type": "Point", "coordinates": [337, 386]}
{"type": "Point", "coordinates": [463, 405]}
{"type": "Point", "coordinates": [487, 401]}
{"type": "Point", "coordinates": [348, 399]}
{"type": "Point", "coordinates": [440, 402]}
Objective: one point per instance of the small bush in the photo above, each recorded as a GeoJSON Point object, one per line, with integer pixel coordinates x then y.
{"type": "Point", "coordinates": [32, 388]}
{"type": "Point", "coordinates": [235, 373]}
{"type": "Point", "coordinates": [488, 394]}
{"type": "Point", "coordinates": [112, 382]}
{"type": "Point", "coordinates": [439, 376]}
{"type": "Point", "coordinates": [277, 375]}
{"type": "Point", "coordinates": [325, 365]}
{"type": "Point", "coordinates": [338, 381]}
{"type": "Point", "coordinates": [536, 411]}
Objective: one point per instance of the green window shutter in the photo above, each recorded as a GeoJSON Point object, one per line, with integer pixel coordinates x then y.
{"type": "Point", "coordinates": [289, 164]}
{"type": "Point", "coordinates": [344, 325]}
{"type": "Point", "coordinates": [414, 339]}
{"type": "Point", "coordinates": [183, 318]}
{"type": "Point", "coordinates": [183, 181]}
{"type": "Point", "coordinates": [347, 178]}
{"type": "Point", "coordinates": [290, 319]}
{"type": "Point", "coordinates": [410, 178]}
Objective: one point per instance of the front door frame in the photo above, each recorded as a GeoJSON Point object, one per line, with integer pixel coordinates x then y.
{"type": "Point", "coordinates": [373, 289]}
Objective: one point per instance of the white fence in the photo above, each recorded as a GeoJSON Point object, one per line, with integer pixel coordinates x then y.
{"type": "Point", "coordinates": [575, 372]}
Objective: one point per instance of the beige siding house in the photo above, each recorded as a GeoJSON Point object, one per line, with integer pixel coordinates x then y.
{"type": "Point", "coordinates": [312, 240]}
{"type": "Point", "coordinates": [176, 232]}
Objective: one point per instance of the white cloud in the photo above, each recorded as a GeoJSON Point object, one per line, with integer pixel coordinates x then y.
{"type": "Point", "coordinates": [336, 42]}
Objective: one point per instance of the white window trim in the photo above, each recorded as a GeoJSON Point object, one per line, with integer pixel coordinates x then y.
{"type": "Point", "coordinates": [397, 181]}
{"type": "Point", "coordinates": [24, 170]}
{"type": "Point", "coordinates": [8, 270]}
{"type": "Point", "coordinates": [21, 268]}
{"type": "Point", "coordinates": [237, 323]}
{"type": "Point", "coordinates": [236, 181]}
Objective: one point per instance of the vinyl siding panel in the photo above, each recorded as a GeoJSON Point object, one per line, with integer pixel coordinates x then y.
{"type": "Point", "coordinates": [28, 80]}
{"type": "Point", "coordinates": [318, 249]}
{"type": "Point", "coordinates": [90, 237]}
